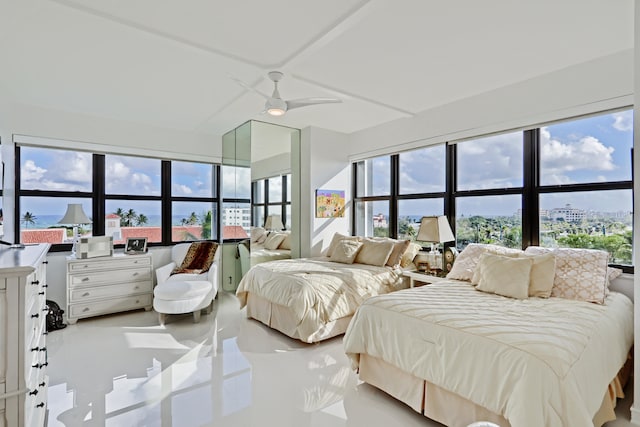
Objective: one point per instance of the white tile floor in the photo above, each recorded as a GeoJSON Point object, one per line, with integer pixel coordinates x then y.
{"type": "Point", "coordinates": [126, 370]}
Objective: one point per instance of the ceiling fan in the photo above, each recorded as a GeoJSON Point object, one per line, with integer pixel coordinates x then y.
{"type": "Point", "coordinates": [276, 106]}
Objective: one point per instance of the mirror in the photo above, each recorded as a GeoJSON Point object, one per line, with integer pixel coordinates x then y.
{"type": "Point", "coordinates": [260, 175]}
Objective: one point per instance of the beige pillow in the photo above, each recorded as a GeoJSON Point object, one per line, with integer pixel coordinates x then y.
{"type": "Point", "coordinates": [345, 251]}
{"type": "Point", "coordinates": [274, 240]}
{"type": "Point", "coordinates": [466, 262]}
{"type": "Point", "coordinates": [503, 275]}
{"type": "Point", "coordinates": [543, 272]}
{"type": "Point", "coordinates": [409, 255]}
{"type": "Point", "coordinates": [580, 274]}
{"type": "Point", "coordinates": [286, 242]}
{"type": "Point", "coordinates": [337, 237]}
{"type": "Point", "coordinates": [399, 248]}
{"type": "Point", "coordinates": [257, 233]}
{"type": "Point", "coordinates": [375, 252]}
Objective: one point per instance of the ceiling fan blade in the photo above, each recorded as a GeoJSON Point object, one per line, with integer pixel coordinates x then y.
{"type": "Point", "coordinates": [246, 86]}
{"type": "Point", "coordinates": [303, 102]}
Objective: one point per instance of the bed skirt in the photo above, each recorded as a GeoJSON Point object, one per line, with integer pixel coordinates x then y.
{"type": "Point", "coordinates": [452, 410]}
{"type": "Point", "coordinates": [282, 319]}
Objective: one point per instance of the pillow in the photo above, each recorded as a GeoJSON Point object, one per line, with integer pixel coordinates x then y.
{"type": "Point", "coordinates": [198, 259]}
{"type": "Point", "coordinates": [286, 242]}
{"type": "Point", "coordinates": [399, 248]}
{"type": "Point", "coordinates": [581, 274]}
{"type": "Point", "coordinates": [543, 272]}
{"type": "Point", "coordinates": [465, 263]}
{"type": "Point", "coordinates": [257, 233]}
{"type": "Point", "coordinates": [263, 238]}
{"type": "Point", "coordinates": [336, 238]}
{"type": "Point", "coordinates": [345, 251]}
{"type": "Point", "coordinates": [375, 252]}
{"type": "Point", "coordinates": [409, 255]}
{"type": "Point", "coordinates": [613, 273]}
{"type": "Point", "coordinates": [274, 240]}
{"type": "Point", "coordinates": [503, 275]}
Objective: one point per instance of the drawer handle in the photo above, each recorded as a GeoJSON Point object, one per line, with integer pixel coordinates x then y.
{"type": "Point", "coordinates": [86, 279]}
{"type": "Point", "coordinates": [137, 301]}
{"type": "Point", "coordinates": [40, 405]}
{"type": "Point", "coordinates": [36, 366]}
{"type": "Point", "coordinates": [137, 287]}
{"type": "Point", "coordinates": [41, 293]}
{"type": "Point", "coordinates": [85, 309]}
{"type": "Point", "coordinates": [34, 392]}
{"type": "Point", "coordinates": [86, 294]}
{"type": "Point", "coordinates": [42, 365]}
{"type": "Point", "coordinates": [35, 316]}
{"type": "Point", "coordinates": [45, 286]}
{"type": "Point", "coordinates": [45, 333]}
{"type": "Point", "coordinates": [42, 384]}
{"type": "Point", "coordinates": [35, 349]}
{"type": "Point", "coordinates": [35, 282]}
{"type": "Point", "coordinates": [43, 349]}
{"type": "Point", "coordinates": [45, 262]}
{"type": "Point", "coordinates": [85, 266]}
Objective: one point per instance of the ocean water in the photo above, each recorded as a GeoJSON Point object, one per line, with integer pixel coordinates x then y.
{"type": "Point", "coordinates": [46, 221]}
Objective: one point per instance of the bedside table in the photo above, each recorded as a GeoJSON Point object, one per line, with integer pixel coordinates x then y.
{"type": "Point", "coordinates": [418, 276]}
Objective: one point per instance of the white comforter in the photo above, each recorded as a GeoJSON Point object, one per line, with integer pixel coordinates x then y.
{"type": "Point", "coordinates": [536, 362]}
{"type": "Point", "coordinates": [318, 287]}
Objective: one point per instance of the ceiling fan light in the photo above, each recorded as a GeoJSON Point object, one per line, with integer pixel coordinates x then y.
{"type": "Point", "coordinates": [276, 111]}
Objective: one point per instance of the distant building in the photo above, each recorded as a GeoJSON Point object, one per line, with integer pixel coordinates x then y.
{"type": "Point", "coordinates": [237, 216]}
{"type": "Point", "coordinates": [112, 226]}
{"type": "Point", "coordinates": [380, 221]}
{"type": "Point", "coordinates": [567, 213]}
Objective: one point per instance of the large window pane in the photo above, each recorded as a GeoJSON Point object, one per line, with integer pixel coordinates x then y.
{"type": "Point", "coordinates": [236, 220]}
{"type": "Point", "coordinates": [258, 197]}
{"type": "Point", "coordinates": [595, 149]}
{"type": "Point", "coordinates": [258, 216]}
{"type": "Point", "coordinates": [589, 219]}
{"type": "Point", "coordinates": [193, 221]}
{"type": "Point", "coordinates": [133, 218]}
{"type": "Point", "coordinates": [410, 212]}
{"type": "Point", "coordinates": [236, 182]}
{"type": "Point", "coordinates": [423, 170]}
{"type": "Point", "coordinates": [489, 219]}
{"type": "Point", "coordinates": [275, 189]}
{"type": "Point", "coordinates": [40, 216]}
{"type": "Point", "coordinates": [374, 177]}
{"type": "Point", "coordinates": [190, 179]}
{"type": "Point", "coordinates": [55, 170]}
{"type": "Point", "coordinates": [372, 218]}
{"type": "Point", "coordinates": [132, 175]}
{"type": "Point", "coordinates": [492, 162]}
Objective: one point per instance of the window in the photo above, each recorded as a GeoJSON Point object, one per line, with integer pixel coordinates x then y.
{"type": "Point", "coordinates": [565, 184]}
{"type": "Point", "coordinates": [124, 196]}
{"type": "Point", "coordinates": [236, 202]}
{"type": "Point", "coordinates": [272, 196]}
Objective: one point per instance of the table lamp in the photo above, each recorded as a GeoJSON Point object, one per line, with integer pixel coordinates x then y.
{"type": "Point", "coordinates": [75, 217]}
{"type": "Point", "coordinates": [273, 222]}
{"type": "Point", "coordinates": [435, 229]}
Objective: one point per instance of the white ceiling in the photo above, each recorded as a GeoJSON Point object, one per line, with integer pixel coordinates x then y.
{"type": "Point", "coordinates": [171, 64]}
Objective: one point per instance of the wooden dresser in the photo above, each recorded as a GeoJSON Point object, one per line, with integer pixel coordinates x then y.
{"type": "Point", "coordinates": [23, 350]}
{"type": "Point", "coordinates": [106, 285]}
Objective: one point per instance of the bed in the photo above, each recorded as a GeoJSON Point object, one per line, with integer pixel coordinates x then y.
{"type": "Point", "coordinates": [312, 299]}
{"type": "Point", "coordinates": [459, 355]}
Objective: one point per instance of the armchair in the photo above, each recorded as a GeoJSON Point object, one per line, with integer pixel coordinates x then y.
{"type": "Point", "coordinates": [185, 292]}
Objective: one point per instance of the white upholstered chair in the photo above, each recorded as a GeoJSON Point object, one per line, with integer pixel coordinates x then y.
{"type": "Point", "coordinates": [185, 292]}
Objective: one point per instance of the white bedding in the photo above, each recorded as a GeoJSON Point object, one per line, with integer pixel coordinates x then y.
{"type": "Point", "coordinates": [536, 362]}
{"type": "Point", "coordinates": [260, 254]}
{"type": "Point", "coordinates": [317, 288]}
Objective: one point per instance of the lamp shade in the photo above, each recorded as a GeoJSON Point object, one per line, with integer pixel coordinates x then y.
{"type": "Point", "coordinates": [74, 215]}
{"type": "Point", "coordinates": [273, 222]}
{"type": "Point", "coordinates": [435, 229]}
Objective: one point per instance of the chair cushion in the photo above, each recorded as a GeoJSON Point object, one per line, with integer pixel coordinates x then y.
{"type": "Point", "coordinates": [198, 259]}
{"type": "Point", "coordinates": [181, 290]}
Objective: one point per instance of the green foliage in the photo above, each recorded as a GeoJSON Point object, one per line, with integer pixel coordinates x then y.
{"type": "Point", "coordinates": [28, 219]}
{"type": "Point", "coordinates": [205, 221]}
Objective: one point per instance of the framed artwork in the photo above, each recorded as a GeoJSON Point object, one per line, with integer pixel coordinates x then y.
{"type": "Point", "coordinates": [135, 245]}
{"type": "Point", "coordinates": [329, 203]}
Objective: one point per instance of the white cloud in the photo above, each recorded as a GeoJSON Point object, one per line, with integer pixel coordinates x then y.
{"type": "Point", "coordinates": [181, 190]}
{"type": "Point", "coordinates": [492, 162]}
{"type": "Point", "coordinates": [117, 170]}
{"type": "Point", "coordinates": [31, 172]}
{"type": "Point", "coordinates": [623, 121]}
{"type": "Point", "coordinates": [582, 154]}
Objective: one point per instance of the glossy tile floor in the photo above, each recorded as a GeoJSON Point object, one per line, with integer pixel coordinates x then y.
{"type": "Point", "coordinates": [126, 370]}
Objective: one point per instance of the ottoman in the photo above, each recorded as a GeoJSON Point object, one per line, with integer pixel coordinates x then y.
{"type": "Point", "coordinates": [176, 297]}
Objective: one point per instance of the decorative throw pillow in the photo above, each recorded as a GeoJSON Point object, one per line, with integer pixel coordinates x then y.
{"type": "Point", "coordinates": [581, 274]}
{"type": "Point", "coordinates": [399, 248]}
{"type": "Point", "coordinates": [468, 259]}
{"type": "Point", "coordinates": [345, 251]}
{"type": "Point", "coordinates": [503, 275]}
{"type": "Point", "coordinates": [375, 252]}
{"type": "Point", "coordinates": [274, 240]}
{"type": "Point", "coordinates": [337, 237]}
{"type": "Point", "coordinates": [198, 259]}
{"type": "Point", "coordinates": [286, 242]}
{"type": "Point", "coordinates": [257, 233]}
{"type": "Point", "coordinates": [543, 272]}
{"type": "Point", "coordinates": [409, 255]}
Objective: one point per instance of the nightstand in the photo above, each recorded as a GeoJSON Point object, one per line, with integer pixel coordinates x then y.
{"type": "Point", "coordinates": [418, 276]}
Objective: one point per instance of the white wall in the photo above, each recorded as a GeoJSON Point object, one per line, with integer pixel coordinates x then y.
{"type": "Point", "coordinates": [324, 165]}
{"type": "Point", "coordinates": [279, 164]}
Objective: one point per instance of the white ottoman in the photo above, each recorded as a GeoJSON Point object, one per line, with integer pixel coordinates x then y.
{"type": "Point", "coordinates": [176, 297]}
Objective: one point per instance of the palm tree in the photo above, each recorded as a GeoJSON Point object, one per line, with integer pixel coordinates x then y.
{"type": "Point", "coordinates": [28, 218]}
{"type": "Point", "coordinates": [142, 220]}
{"type": "Point", "coordinates": [120, 213]}
{"type": "Point", "coordinates": [130, 217]}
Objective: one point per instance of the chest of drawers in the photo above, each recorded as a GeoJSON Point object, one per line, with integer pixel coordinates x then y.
{"type": "Point", "coordinates": [23, 350]}
{"type": "Point", "coordinates": [108, 285]}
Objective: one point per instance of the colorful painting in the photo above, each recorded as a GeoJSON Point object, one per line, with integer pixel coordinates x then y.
{"type": "Point", "coordinates": [329, 203]}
